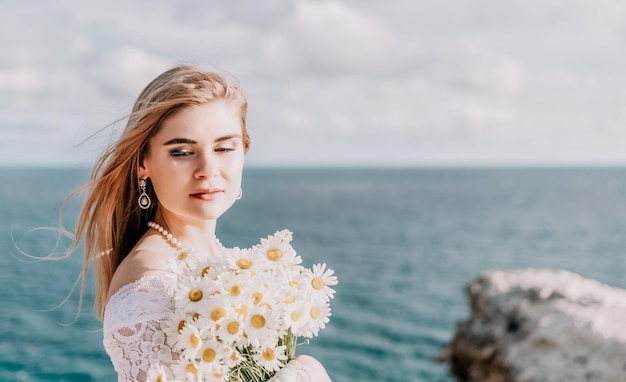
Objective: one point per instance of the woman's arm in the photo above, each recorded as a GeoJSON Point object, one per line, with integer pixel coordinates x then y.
{"type": "Point", "coordinates": [302, 369]}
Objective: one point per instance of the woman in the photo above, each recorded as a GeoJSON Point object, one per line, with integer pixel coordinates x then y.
{"type": "Point", "coordinates": [174, 171]}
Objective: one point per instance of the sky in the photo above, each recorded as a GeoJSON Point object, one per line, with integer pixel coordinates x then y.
{"type": "Point", "coordinates": [329, 82]}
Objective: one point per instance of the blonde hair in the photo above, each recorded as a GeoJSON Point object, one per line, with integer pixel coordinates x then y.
{"type": "Point", "coordinates": [111, 220]}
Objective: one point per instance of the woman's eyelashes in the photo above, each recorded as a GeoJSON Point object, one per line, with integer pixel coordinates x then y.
{"type": "Point", "coordinates": [181, 153]}
{"type": "Point", "coordinates": [187, 152]}
{"type": "Point", "coordinates": [224, 149]}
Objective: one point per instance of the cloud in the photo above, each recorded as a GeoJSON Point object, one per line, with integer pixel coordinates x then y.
{"type": "Point", "coordinates": [422, 81]}
{"type": "Point", "coordinates": [126, 70]}
{"type": "Point", "coordinates": [330, 36]}
{"type": "Point", "coordinates": [20, 81]}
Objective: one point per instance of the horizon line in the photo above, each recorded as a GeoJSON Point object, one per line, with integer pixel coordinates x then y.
{"type": "Point", "coordinates": [408, 166]}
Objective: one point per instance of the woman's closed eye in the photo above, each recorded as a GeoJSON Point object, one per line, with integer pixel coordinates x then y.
{"type": "Point", "coordinates": [181, 153]}
{"type": "Point", "coordinates": [225, 149]}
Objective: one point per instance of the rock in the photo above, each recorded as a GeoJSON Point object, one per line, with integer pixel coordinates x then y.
{"type": "Point", "coordinates": [540, 326]}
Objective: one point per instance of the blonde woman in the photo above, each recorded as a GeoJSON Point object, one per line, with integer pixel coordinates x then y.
{"type": "Point", "coordinates": [174, 171]}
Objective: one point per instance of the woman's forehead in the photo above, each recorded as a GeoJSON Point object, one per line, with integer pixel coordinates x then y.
{"type": "Point", "coordinates": [199, 122]}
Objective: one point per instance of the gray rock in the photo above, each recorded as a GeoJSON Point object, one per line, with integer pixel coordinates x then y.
{"type": "Point", "coordinates": [540, 326]}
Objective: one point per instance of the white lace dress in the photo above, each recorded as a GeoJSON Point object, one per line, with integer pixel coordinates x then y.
{"type": "Point", "coordinates": [133, 337]}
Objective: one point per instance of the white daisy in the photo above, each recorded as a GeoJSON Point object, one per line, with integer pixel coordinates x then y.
{"type": "Point", "coordinates": [242, 261]}
{"type": "Point", "coordinates": [215, 374]}
{"type": "Point", "coordinates": [192, 293]}
{"type": "Point", "coordinates": [296, 316]}
{"type": "Point", "coordinates": [277, 250]}
{"type": "Point", "coordinates": [271, 357]}
{"type": "Point", "coordinates": [183, 262]}
{"type": "Point", "coordinates": [295, 283]}
{"type": "Point", "coordinates": [158, 373]}
{"type": "Point", "coordinates": [232, 357]}
{"type": "Point", "coordinates": [189, 341]}
{"type": "Point", "coordinates": [321, 279]}
{"type": "Point", "coordinates": [261, 325]}
{"type": "Point", "coordinates": [174, 324]}
{"type": "Point", "coordinates": [230, 330]}
{"type": "Point", "coordinates": [317, 315]}
{"type": "Point", "coordinates": [235, 284]}
{"type": "Point", "coordinates": [210, 355]}
{"type": "Point", "coordinates": [185, 371]}
{"type": "Point", "coordinates": [257, 293]}
{"type": "Point", "coordinates": [218, 307]}
{"type": "Point", "coordinates": [288, 297]}
{"type": "Point", "coordinates": [268, 289]}
{"type": "Point", "coordinates": [211, 267]}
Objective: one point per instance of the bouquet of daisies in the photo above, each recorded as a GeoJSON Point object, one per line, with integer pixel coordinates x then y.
{"type": "Point", "coordinates": [238, 316]}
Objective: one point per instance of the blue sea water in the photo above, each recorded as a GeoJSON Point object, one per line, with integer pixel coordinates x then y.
{"type": "Point", "coordinates": [403, 242]}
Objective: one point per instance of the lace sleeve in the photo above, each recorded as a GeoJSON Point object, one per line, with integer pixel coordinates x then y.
{"type": "Point", "coordinates": [132, 332]}
{"type": "Point", "coordinates": [292, 372]}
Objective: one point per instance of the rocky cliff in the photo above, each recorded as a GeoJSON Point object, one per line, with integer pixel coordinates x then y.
{"type": "Point", "coordinates": [540, 326]}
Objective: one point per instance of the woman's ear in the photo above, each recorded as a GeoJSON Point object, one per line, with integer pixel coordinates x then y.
{"type": "Point", "coordinates": [142, 171]}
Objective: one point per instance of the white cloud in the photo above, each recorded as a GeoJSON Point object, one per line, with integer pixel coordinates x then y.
{"type": "Point", "coordinates": [20, 80]}
{"type": "Point", "coordinates": [433, 80]}
{"type": "Point", "coordinates": [126, 70]}
{"type": "Point", "coordinates": [343, 123]}
{"type": "Point", "coordinates": [495, 73]}
{"type": "Point", "coordinates": [331, 36]}
{"type": "Point", "coordinates": [292, 118]}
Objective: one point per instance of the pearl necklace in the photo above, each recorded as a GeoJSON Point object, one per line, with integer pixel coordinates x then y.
{"type": "Point", "coordinates": [171, 239]}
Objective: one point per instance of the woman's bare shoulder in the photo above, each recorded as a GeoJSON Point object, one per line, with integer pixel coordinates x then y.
{"type": "Point", "coordinates": [141, 261]}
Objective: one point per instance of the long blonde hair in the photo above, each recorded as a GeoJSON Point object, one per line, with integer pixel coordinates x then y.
{"type": "Point", "coordinates": [111, 220]}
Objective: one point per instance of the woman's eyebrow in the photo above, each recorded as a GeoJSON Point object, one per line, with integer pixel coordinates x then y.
{"type": "Point", "coordinates": [227, 137]}
{"type": "Point", "coordinates": [177, 141]}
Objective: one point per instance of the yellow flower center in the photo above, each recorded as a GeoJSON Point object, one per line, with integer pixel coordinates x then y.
{"type": "Point", "coordinates": [205, 270]}
{"type": "Point", "coordinates": [315, 313]}
{"type": "Point", "coordinates": [196, 316]}
{"type": "Point", "coordinates": [257, 297]}
{"type": "Point", "coordinates": [290, 299]}
{"type": "Point", "coordinates": [234, 356]}
{"type": "Point", "coordinates": [191, 369]}
{"type": "Point", "coordinates": [218, 313]}
{"type": "Point", "coordinates": [159, 378]}
{"type": "Point", "coordinates": [268, 354]}
{"type": "Point", "coordinates": [195, 295]}
{"type": "Point", "coordinates": [294, 284]}
{"type": "Point", "coordinates": [295, 316]}
{"type": "Point", "coordinates": [243, 310]}
{"type": "Point", "coordinates": [194, 341]}
{"type": "Point", "coordinates": [182, 255]}
{"type": "Point", "coordinates": [181, 325]}
{"type": "Point", "coordinates": [317, 283]}
{"type": "Point", "coordinates": [233, 327]}
{"type": "Point", "coordinates": [235, 290]}
{"type": "Point", "coordinates": [208, 355]}
{"type": "Point", "coordinates": [257, 321]}
{"type": "Point", "coordinates": [244, 263]}
{"type": "Point", "coordinates": [274, 254]}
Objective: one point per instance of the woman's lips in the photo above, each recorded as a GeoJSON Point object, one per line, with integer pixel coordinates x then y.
{"type": "Point", "coordinates": [207, 195]}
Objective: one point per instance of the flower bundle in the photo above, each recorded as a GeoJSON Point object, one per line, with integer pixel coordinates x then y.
{"type": "Point", "coordinates": [238, 316]}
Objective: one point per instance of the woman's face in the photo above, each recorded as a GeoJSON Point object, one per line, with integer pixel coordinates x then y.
{"type": "Point", "coordinates": [195, 161]}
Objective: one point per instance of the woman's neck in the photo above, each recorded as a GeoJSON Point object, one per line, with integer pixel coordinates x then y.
{"type": "Point", "coordinates": [198, 234]}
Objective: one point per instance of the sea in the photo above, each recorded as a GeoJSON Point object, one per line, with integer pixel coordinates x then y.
{"type": "Point", "coordinates": [404, 243]}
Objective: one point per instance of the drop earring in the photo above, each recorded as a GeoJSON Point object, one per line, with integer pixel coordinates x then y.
{"type": "Point", "coordinates": [144, 199]}
{"type": "Point", "coordinates": [240, 194]}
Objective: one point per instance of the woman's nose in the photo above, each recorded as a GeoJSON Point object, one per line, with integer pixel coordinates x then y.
{"type": "Point", "coordinates": [206, 167]}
